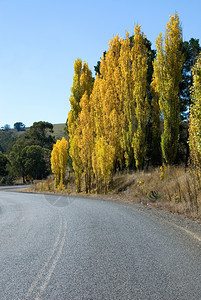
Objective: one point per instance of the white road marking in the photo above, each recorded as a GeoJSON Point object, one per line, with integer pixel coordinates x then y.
{"type": "Point", "coordinates": [56, 200]}
{"type": "Point", "coordinates": [40, 273]}
{"type": "Point", "coordinates": [195, 236]}
{"type": "Point", "coordinates": [49, 274]}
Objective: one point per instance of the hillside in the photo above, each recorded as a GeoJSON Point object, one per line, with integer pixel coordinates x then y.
{"type": "Point", "coordinates": [59, 130]}
{"type": "Point", "coordinates": [8, 137]}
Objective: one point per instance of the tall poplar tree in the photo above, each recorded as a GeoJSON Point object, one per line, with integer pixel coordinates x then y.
{"type": "Point", "coordinates": [195, 116]}
{"type": "Point", "coordinates": [82, 82]}
{"type": "Point", "coordinates": [139, 71]}
{"type": "Point", "coordinates": [86, 140]}
{"type": "Point", "coordinates": [127, 99]}
{"type": "Point", "coordinates": [98, 128]}
{"type": "Point", "coordinates": [167, 76]}
{"type": "Point", "coordinates": [112, 106]}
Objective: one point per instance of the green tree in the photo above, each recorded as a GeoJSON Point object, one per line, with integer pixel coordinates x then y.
{"type": "Point", "coordinates": [41, 133]}
{"type": "Point", "coordinates": [33, 160]}
{"type": "Point", "coordinates": [19, 126]}
{"type": "Point", "coordinates": [6, 127]}
{"type": "Point", "coordinates": [17, 168]}
{"type": "Point", "coordinates": [190, 50]}
{"type": "Point", "coordinates": [3, 165]}
{"type": "Point", "coordinates": [7, 138]}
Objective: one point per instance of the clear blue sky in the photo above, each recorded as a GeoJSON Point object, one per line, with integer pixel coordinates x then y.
{"type": "Point", "coordinates": [40, 40]}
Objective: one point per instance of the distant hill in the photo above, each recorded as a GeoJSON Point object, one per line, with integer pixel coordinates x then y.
{"type": "Point", "coordinates": [8, 137]}
{"type": "Point", "coordinates": [59, 131]}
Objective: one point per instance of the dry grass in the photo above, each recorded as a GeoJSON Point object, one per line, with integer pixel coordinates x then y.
{"type": "Point", "coordinates": [171, 189]}
{"type": "Point", "coordinates": [59, 131]}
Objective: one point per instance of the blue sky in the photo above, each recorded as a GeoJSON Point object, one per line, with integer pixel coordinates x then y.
{"type": "Point", "coordinates": [40, 40]}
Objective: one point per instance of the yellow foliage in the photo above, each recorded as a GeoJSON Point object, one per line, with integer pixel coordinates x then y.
{"type": "Point", "coordinates": [86, 139]}
{"type": "Point", "coordinates": [163, 169]}
{"type": "Point", "coordinates": [127, 100]}
{"type": "Point", "coordinates": [195, 116]}
{"type": "Point", "coordinates": [167, 76]}
{"type": "Point", "coordinates": [139, 72]}
{"type": "Point", "coordinates": [76, 160]}
{"type": "Point", "coordinates": [103, 160]}
{"type": "Point", "coordinates": [82, 83]}
{"type": "Point", "coordinates": [59, 157]}
{"type": "Point", "coordinates": [112, 114]}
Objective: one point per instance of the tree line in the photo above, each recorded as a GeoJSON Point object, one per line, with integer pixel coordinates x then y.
{"type": "Point", "coordinates": [134, 113]}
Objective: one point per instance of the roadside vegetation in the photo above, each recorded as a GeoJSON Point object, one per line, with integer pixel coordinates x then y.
{"type": "Point", "coordinates": [171, 189]}
{"type": "Point", "coordinates": [133, 131]}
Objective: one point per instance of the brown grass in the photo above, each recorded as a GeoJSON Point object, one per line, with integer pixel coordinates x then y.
{"type": "Point", "coordinates": [59, 131]}
{"type": "Point", "coordinates": [171, 189]}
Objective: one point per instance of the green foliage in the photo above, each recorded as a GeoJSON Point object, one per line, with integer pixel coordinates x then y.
{"type": "Point", "coordinates": [190, 50]}
{"type": "Point", "coordinates": [40, 133]}
{"type": "Point", "coordinates": [6, 127]}
{"type": "Point", "coordinates": [7, 138]}
{"type": "Point", "coordinates": [3, 164]}
{"type": "Point", "coordinates": [19, 126]}
{"type": "Point", "coordinates": [17, 168]}
{"type": "Point", "coordinates": [34, 162]}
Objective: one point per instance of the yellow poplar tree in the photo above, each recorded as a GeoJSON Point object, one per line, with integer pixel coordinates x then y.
{"type": "Point", "coordinates": [127, 100]}
{"type": "Point", "coordinates": [195, 116]}
{"type": "Point", "coordinates": [167, 76]}
{"type": "Point", "coordinates": [59, 158]}
{"type": "Point", "coordinates": [98, 128]}
{"type": "Point", "coordinates": [86, 139]}
{"type": "Point", "coordinates": [82, 81]}
{"type": "Point", "coordinates": [111, 103]}
{"type": "Point", "coordinates": [139, 72]}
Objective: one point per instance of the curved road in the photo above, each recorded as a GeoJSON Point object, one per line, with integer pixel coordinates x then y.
{"type": "Point", "coordinates": [59, 247]}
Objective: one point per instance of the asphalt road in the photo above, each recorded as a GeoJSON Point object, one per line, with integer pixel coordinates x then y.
{"type": "Point", "coordinates": [59, 247]}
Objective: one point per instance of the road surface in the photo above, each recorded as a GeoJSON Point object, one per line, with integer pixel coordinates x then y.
{"type": "Point", "coordinates": [59, 247]}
